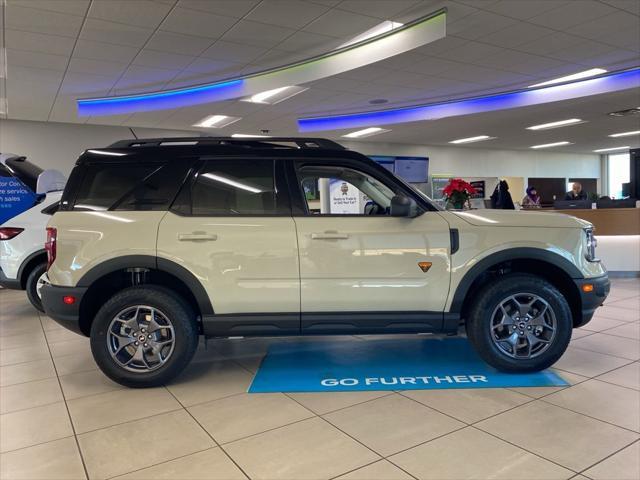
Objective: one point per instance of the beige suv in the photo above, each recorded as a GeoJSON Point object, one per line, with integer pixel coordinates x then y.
{"type": "Point", "coordinates": [159, 241]}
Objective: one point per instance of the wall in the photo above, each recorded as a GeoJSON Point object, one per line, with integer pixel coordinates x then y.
{"type": "Point", "coordinates": [480, 162]}
{"type": "Point", "coordinates": [58, 145]}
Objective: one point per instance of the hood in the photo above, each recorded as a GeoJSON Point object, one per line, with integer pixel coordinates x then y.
{"type": "Point", "coordinates": [521, 218]}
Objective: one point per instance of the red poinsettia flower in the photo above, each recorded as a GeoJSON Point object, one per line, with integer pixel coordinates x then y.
{"type": "Point", "coordinates": [458, 187]}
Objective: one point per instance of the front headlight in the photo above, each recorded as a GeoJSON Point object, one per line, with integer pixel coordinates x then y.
{"type": "Point", "coordinates": [590, 247]}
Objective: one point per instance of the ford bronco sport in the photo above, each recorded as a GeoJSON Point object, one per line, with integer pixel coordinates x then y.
{"type": "Point", "coordinates": [159, 241]}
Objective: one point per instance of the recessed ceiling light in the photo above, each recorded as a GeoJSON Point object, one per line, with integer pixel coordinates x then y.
{"type": "Point", "coordinates": [216, 121]}
{"type": "Point", "coordinates": [379, 29]}
{"type": "Point", "coordinates": [576, 76]}
{"type": "Point", "coordinates": [248, 135]}
{"type": "Point", "coordinates": [276, 95]}
{"type": "Point", "coordinates": [547, 145]}
{"type": "Point", "coordinates": [625, 134]}
{"type": "Point", "coordinates": [367, 132]}
{"type": "Point", "coordinates": [612, 149]}
{"type": "Point", "coordinates": [479, 138]}
{"type": "Point", "coordinates": [560, 123]}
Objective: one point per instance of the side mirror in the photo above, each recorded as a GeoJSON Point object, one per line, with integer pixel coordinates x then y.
{"type": "Point", "coordinates": [402, 206]}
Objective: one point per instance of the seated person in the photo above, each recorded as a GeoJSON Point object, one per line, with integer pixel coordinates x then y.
{"type": "Point", "coordinates": [576, 192]}
{"type": "Point", "coordinates": [531, 199]}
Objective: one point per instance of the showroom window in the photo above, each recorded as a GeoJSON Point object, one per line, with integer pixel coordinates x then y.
{"type": "Point", "coordinates": [335, 190]}
{"type": "Point", "coordinates": [234, 187]}
{"type": "Point", "coordinates": [618, 173]}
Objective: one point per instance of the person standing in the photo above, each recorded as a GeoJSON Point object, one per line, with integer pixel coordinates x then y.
{"type": "Point", "coordinates": [531, 199]}
{"type": "Point", "coordinates": [576, 192]}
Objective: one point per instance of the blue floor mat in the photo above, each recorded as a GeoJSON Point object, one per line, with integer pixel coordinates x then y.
{"type": "Point", "coordinates": [386, 364]}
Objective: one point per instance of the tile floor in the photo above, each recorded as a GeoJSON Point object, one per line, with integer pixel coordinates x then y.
{"type": "Point", "coordinates": [62, 419]}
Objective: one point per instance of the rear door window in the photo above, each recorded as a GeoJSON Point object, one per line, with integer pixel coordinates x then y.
{"type": "Point", "coordinates": [233, 187]}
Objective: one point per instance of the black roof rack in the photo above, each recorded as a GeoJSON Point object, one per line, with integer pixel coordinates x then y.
{"type": "Point", "coordinates": [248, 142]}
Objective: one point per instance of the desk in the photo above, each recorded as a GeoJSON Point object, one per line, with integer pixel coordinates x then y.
{"type": "Point", "coordinates": [618, 235]}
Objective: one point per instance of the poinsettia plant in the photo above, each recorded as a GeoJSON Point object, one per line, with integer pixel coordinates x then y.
{"type": "Point", "coordinates": [458, 192]}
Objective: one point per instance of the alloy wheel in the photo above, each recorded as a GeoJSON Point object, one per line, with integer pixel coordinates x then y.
{"type": "Point", "coordinates": [523, 326]}
{"type": "Point", "coordinates": [140, 338]}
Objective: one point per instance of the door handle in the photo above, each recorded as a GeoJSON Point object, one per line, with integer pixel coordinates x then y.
{"type": "Point", "coordinates": [194, 237]}
{"type": "Point", "coordinates": [329, 236]}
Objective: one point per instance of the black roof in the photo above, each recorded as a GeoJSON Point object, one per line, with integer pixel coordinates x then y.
{"type": "Point", "coordinates": [267, 142]}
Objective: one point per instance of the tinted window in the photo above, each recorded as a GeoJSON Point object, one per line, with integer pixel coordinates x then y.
{"type": "Point", "coordinates": [234, 187]}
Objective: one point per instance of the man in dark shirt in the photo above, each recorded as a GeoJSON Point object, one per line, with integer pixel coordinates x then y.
{"type": "Point", "coordinates": [576, 193]}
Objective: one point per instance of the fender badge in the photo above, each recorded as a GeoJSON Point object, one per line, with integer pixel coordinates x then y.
{"type": "Point", "coordinates": [424, 266]}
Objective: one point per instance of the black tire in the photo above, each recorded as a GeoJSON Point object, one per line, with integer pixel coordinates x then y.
{"type": "Point", "coordinates": [177, 311]}
{"type": "Point", "coordinates": [479, 322]}
{"type": "Point", "coordinates": [32, 286]}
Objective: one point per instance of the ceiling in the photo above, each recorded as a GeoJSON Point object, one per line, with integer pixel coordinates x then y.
{"type": "Point", "coordinates": [58, 51]}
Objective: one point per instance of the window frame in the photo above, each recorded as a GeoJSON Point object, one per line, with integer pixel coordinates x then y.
{"type": "Point", "coordinates": [386, 178]}
{"type": "Point", "coordinates": [282, 199]}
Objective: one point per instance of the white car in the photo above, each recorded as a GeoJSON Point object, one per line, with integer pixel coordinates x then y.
{"type": "Point", "coordinates": [23, 259]}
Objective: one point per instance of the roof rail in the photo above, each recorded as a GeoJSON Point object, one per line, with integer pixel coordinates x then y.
{"type": "Point", "coordinates": [270, 142]}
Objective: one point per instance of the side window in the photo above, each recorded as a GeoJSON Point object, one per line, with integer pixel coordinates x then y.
{"type": "Point", "coordinates": [235, 187]}
{"type": "Point", "coordinates": [104, 184]}
{"type": "Point", "coordinates": [335, 190]}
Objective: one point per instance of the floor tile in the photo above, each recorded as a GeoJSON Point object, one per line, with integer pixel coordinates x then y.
{"type": "Point", "coordinates": [81, 362]}
{"type": "Point", "coordinates": [26, 372]}
{"type": "Point", "coordinates": [537, 392]}
{"type": "Point", "coordinates": [325, 402]}
{"type": "Point", "coordinates": [23, 340]}
{"type": "Point", "coordinates": [632, 303]}
{"type": "Point", "coordinates": [81, 384]}
{"type": "Point", "coordinates": [311, 449]}
{"type": "Point", "coordinates": [239, 416]}
{"type": "Point", "coordinates": [59, 335]}
{"type": "Point", "coordinates": [23, 354]}
{"type": "Point", "coordinates": [29, 395]}
{"type": "Point", "coordinates": [627, 376]}
{"type": "Point", "coordinates": [600, 324]}
{"type": "Point", "coordinates": [106, 409]}
{"type": "Point", "coordinates": [148, 441]}
{"type": "Point", "coordinates": [390, 424]}
{"type": "Point", "coordinates": [581, 332]}
{"type": "Point", "coordinates": [610, 403]}
{"type": "Point", "coordinates": [618, 313]}
{"type": "Point", "coordinates": [624, 465]}
{"type": "Point", "coordinates": [564, 437]}
{"type": "Point", "coordinates": [211, 464]}
{"type": "Point", "coordinates": [49, 324]}
{"type": "Point", "coordinates": [472, 454]}
{"type": "Point", "coordinates": [610, 345]}
{"type": "Point", "coordinates": [587, 363]}
{"type": "Point", "coordinates": [469, 405]}
{"type": "Point", "coordinates": [25, 428]}
{"type": "Point", "coordinates": [59, 460]}
{"type": "Point", "coordinates": [206, 381]}
{"type": "Point", "coordinates": [628, 330]}
{"type": "Point", "coordinates": [70, 347]}
{"type": "Point", "coordinates": [19, 325]}
{"type": "Point", "coordinates": [382, 470]}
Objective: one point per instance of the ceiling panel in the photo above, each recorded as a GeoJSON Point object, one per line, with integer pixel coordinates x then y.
{"type": "Point", "coordinates": [142, 13]}
{"type": "Point", "coordinates": [71, 7]}
{"type": "Point", "coordinates": [21, 58]}
{"type": "Point", "coordinates": [178, 43]}
{"type": "Point", "coordinates": [116, 33]}
{"type": "Point", "coordinates": [286, 13]}
{"type": "Point", "coordinates": [383, 9]}
{"type": "Point", "coordinates": [170, 61]}
{"type": "Point", "coordinates": [227, 8]}
{"type": "Point", "coordinates": [104, 51]}
{"type": "Point", "coordinates": [38, 42]}
{"type": "Point", "coordinates": [41, 21]}
{"type": "Point", "coordinates": [337, 23]}
{"type": "Point", "coordinates": [257, 34]}
{"type": "Point", "coordinates": [572, 13]}
{"type": "Point", "coordinates": [192, 22]}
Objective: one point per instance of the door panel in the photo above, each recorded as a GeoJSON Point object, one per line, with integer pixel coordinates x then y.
{"type": "Point", "coordinates": [246, 264]}
{"type": "Point", "coordinates": [362, 263]}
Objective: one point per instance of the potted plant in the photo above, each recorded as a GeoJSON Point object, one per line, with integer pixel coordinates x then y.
{"type": "Point", "coordinates": [458, 192]}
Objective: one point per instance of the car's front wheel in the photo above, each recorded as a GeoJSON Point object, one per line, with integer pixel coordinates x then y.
{"type": "Point", "coordinates": [520, 323]}
{"type": "Point", "coordinates": [144, 336]}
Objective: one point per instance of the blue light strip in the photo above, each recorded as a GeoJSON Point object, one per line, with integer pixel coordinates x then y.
{"type": "Point", "coordinates": [145, 102]}
{"type": "Point", "coordinates": [604, 84]}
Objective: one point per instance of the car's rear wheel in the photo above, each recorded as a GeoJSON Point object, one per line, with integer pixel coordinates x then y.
{"type": "Point", "coordinates": [520, 323]}
{"type": "Point", "coordinates": [144, 336]}
{"type": "Point", "coordinates": [36, 279]}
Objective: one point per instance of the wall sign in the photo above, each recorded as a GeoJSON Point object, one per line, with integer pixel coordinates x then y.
{"type": "Point", "coordinates": [15, 198]}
